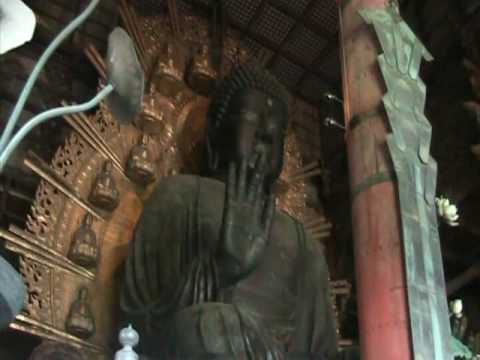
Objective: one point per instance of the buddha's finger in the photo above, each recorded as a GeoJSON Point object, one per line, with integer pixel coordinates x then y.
{"type": "Point", "coordinates": [242, 180]}
{"type": "Point", "coordinates": [203, 284]}
{"type": "Point", "coordinates": [255, 192]}
{"type": "Point", "coordinates": [258, 176]}
{"type": "Point", "coordinates": [269, 213]}
{"type": "Point", "coordinates": [231, 182]}
{"type": "Point", "coordinates": [258, 206]}
{"type": "Point", "coordinates": [196, 282]}
{"type": "Point", "coordinates": [210, 280]}
{"type": "Point", "coordinates": [260, 201]}
{"type": "Point", "coordinates": [227, 222]}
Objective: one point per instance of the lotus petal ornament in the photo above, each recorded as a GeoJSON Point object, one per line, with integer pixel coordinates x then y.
{"type": "Point", "coordinates": [448, 212]}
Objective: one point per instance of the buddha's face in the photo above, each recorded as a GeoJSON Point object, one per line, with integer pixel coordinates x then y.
{"type": "Point", "coordinates": [254, 126]}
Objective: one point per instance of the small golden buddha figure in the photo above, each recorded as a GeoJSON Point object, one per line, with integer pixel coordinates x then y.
{"type": "Point", "coordinates": [104, 193]}
{"type": "Point", "coordinates": [202, 74]}
{"type": "Point", "coordinates": [140, 166]}
{"type": "Point", "coordinates": [80, 320]}
{"type": "Point", "coordinates": [84, 248]}
{"type": "Point", "coordinates": [157, 114]}
{"type": "Point", "coordinates": [167, 79]}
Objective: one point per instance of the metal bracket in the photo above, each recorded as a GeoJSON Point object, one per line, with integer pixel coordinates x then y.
{"type": "Point", "coordinates": [361, 118]}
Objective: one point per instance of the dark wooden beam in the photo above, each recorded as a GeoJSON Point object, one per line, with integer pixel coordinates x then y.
{"type": "Point", "coordinates": [61, 23]}
{"type": "Point", "coordinates": [61, 60]}
{"type": "Point", "coordinates": [101, 9]}
{"type": "Point", "coordinates": [18, 80]}
{"type": "Point", "coordinates": [456, 284]}
{"type": "Point", "coordinates": [64, 14]}
{"type": "Point", "coordinates": [76, 40]}
{"type": "Point", "coordinates": [12, 99]}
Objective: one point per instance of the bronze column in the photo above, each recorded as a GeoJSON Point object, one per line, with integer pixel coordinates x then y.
{"type": "Point", "coordinates": [381, 286]}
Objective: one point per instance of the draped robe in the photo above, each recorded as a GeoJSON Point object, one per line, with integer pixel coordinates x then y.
{"type": "Point", "coordinates": [171, 293]}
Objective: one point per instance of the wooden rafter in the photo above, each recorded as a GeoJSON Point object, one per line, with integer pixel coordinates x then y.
{"type": "Point", "coordinates": [130, 21]}
{"type": "Point", "coordinates": [96, 59]}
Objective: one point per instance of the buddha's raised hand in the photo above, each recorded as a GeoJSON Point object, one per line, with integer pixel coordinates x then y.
{"type": "Point", "coordinates": [247, 220]}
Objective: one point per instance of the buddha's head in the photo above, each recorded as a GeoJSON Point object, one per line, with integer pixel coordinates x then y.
{"type": "Point", "coordinates": [248, 118]}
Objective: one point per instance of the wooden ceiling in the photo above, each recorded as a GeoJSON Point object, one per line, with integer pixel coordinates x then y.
{"type": "Point", "coordinates": [300, 39]}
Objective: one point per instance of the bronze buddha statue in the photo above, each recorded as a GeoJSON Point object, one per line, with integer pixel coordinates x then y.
{"type": "Point", "coordinates": [104, 192]}
{"type": "Point", "coordinates": [80, 320]}
{"type": "Point", "coordinates": [140, 166]}
{"type": "Point", "coordinates": [84, 247]}
{"type": "Point", "coordinates": [213, 269]}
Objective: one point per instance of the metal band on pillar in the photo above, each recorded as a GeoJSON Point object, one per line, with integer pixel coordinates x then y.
{"type": "Point", "coordinates": [361, 118]}
{"type": "Point", "coordinates": [374, 179]}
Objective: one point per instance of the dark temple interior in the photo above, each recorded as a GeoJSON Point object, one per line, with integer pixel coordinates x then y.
{"type": "Point", "coordinates": [341, 182]}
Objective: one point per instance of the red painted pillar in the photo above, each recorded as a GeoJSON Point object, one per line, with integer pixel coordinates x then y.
{"type": "Point", "coordinates": [381, 290]}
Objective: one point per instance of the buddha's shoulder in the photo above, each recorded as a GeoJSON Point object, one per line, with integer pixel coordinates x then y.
{"type": "Point", "coordinates": [187, 186]}
{"type": "Point", "coordinates": [182, 186]}
{"type": "Point", "coordinates": [186, 183]}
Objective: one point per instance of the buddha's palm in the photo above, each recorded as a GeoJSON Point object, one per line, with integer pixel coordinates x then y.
{"type": "Point", "coordinates": [247, 220]}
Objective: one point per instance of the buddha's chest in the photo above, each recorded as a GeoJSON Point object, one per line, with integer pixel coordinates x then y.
{"type": "Point", "coordinates": [268, 294]}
